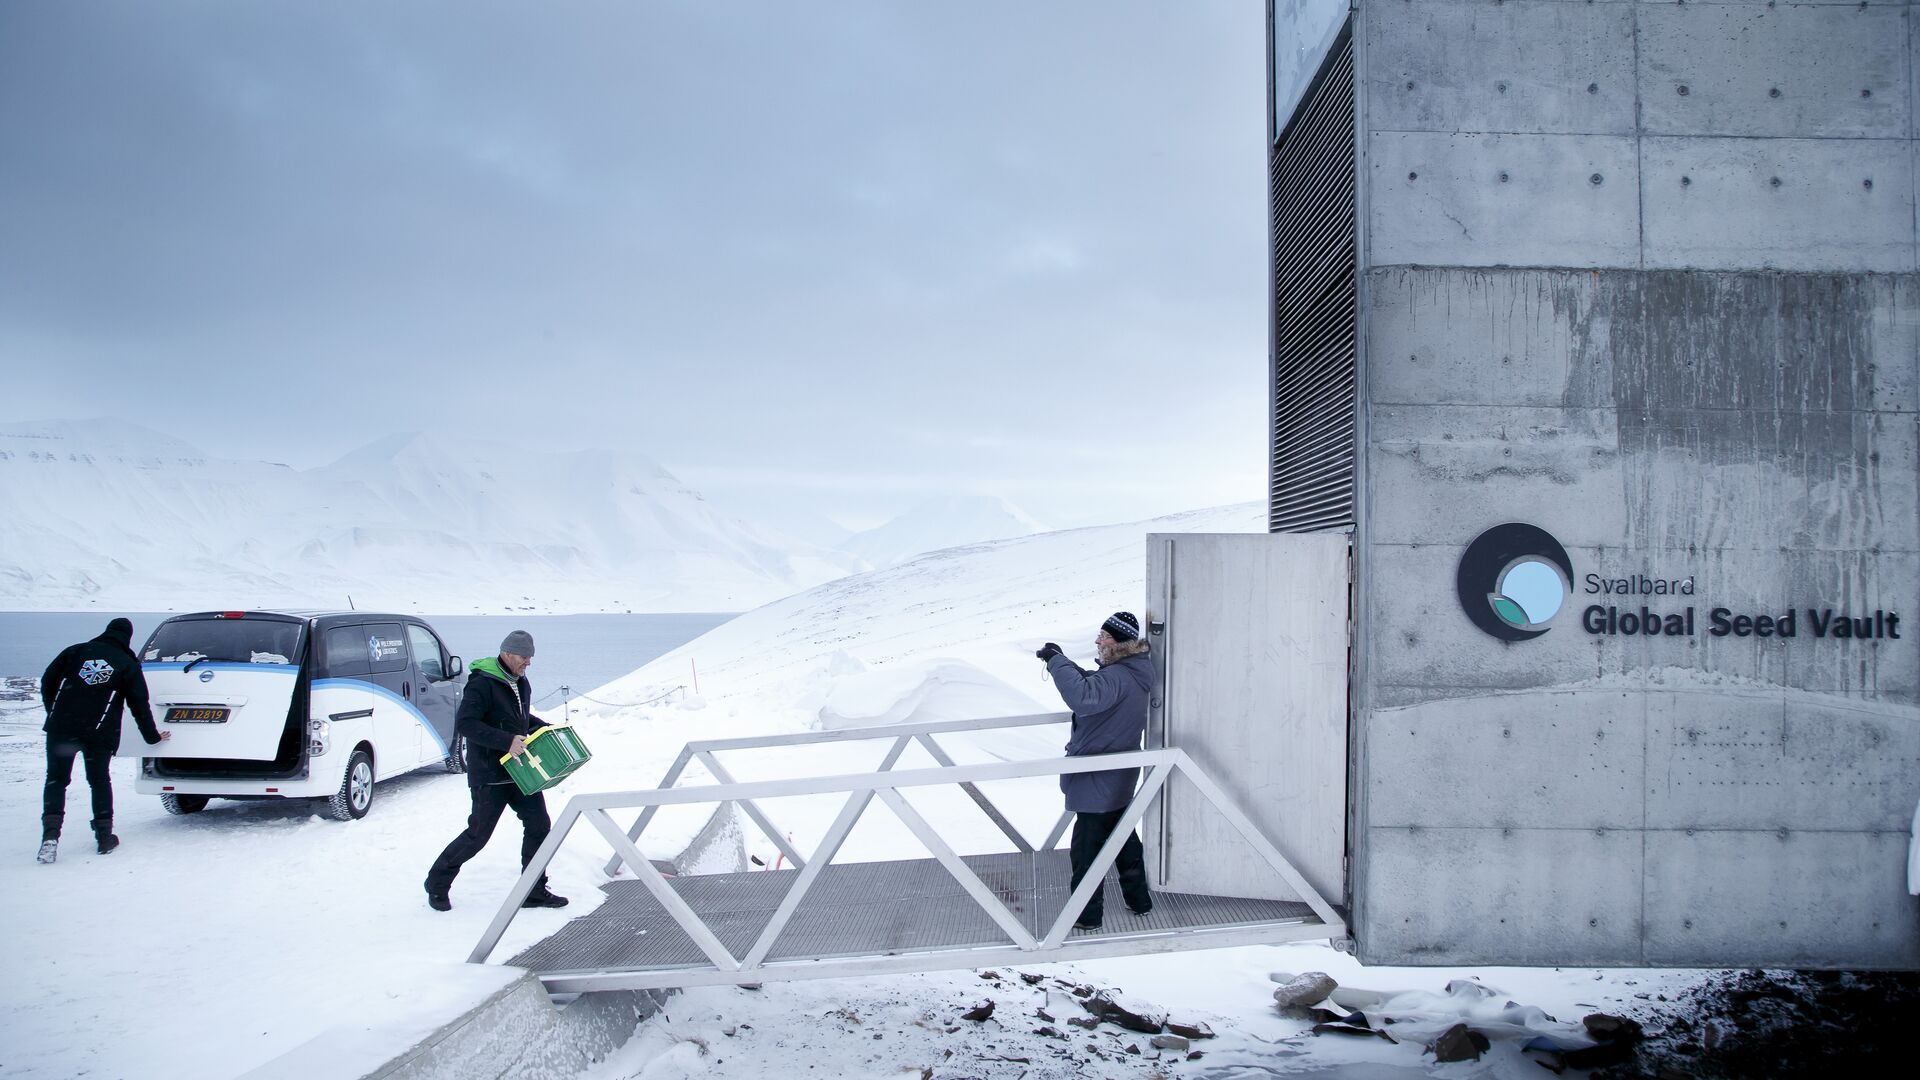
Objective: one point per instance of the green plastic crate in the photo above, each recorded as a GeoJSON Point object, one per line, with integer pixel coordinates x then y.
{"type": "Point", "coordinates": [553, 753]}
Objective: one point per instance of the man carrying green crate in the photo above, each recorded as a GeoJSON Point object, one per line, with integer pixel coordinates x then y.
{"type": "Point", "coordinates": [495, 714]}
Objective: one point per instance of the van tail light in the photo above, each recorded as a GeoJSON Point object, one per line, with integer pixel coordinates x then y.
{"type": "Point", "coordinates": [319, 737]}
{"type": "Point", "coordinates": [233, 614]}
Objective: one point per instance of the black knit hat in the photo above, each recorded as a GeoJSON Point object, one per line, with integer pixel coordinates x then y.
{"type": "Point", "coordinates": [120, 630]}
{"type": "Point", "coordinates": [1122, 626]}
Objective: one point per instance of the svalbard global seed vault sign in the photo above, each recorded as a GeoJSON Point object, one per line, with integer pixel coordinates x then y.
{"type": "Point", "coordinates": [1515, 579]}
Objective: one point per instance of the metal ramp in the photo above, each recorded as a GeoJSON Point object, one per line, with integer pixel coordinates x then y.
{"type": "Point", "coordinates": [823, 919]}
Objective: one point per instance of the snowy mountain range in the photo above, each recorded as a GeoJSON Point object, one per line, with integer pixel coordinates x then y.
{"type": "Point", "coordinates": [109, 514]}
{"type": "Point", "coordinates": [940, 523]}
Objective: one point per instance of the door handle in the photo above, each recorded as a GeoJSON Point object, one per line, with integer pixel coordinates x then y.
{"type": "Point", "coordinates": [406, 689]}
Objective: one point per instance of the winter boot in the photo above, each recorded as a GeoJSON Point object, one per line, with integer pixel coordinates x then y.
{"type": "Point", "coordinates": [103, 834]}
{"type": "Point", "coordinates": [541, 896]}
{"type": "Point", "coordinates": [49, 837]}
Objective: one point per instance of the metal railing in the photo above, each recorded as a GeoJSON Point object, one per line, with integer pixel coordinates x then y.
{"type": "Point", "coordinates": [903, 735]}
{"type": "Point", "coordinates": [888, 785]}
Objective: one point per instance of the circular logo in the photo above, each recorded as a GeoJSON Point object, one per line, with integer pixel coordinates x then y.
{"type": "Point", "coordinates": [206, 676]}
{"type": "Point", "coordinates": [1514, 578]}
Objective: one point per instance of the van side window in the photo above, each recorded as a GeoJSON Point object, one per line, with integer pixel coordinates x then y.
{"type": "Point", "coordinates": [386, 646]}
{"type": "Point", "coordinates": [344, 652]}
{"type": "Point", "coordinates": [426, 652]}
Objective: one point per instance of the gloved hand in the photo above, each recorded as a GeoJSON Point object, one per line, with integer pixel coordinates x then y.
{"type": "Point", "coordinates": [1048, 651]}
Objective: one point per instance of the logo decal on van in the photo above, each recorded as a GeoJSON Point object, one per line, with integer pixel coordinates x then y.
{"type": "Point", "coordinates": [1514, 578]}
{"type": "Point", "coordinates": [206, 675]}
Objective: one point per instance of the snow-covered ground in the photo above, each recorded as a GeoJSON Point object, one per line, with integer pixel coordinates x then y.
{"type": "Point", "coordinates": [210, 944]}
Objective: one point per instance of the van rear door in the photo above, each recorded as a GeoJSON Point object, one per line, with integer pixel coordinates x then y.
{"type": "Point", "coordinates": [223, 683]}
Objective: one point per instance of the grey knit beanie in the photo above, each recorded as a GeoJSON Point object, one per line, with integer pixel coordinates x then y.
{"type": "Point", "coordinates": [519, 643]}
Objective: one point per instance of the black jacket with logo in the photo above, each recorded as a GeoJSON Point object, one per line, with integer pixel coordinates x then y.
{"type": "Point", "coordinates": [87, 686]}
{"type": "Point", "coordinates": [494, 708]}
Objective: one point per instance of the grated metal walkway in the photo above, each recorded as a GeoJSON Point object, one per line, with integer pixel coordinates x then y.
{"type": "Point", "coordinates": [868, 909]}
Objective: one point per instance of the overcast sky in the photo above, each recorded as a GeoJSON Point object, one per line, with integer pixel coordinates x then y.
{"type": "Point", "coordinates": [830, 256]}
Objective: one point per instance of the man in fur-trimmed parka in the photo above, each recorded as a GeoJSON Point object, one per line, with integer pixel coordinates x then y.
{"type": "Point", "coordinates": [1109, 716]}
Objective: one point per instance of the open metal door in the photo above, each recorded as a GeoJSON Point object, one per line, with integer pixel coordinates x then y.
{"type": "Point", "coordinates": [1250, 639]}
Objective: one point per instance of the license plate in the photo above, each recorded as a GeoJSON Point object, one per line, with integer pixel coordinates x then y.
{"type": "Point", "coordinates": [197, 714]}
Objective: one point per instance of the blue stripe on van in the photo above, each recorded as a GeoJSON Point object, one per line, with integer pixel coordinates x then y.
{"type": "Point", "coordinates": [362, 684]}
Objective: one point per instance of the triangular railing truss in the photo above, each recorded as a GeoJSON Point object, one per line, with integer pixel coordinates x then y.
{"type": "Point", "coordinates": [888, 785]}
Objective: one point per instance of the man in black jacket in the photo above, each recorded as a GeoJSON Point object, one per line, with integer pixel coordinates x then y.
{"type": "Point", "coordinates": [495, 718]}
{"type": "Point", "coordinates": [84, 692]}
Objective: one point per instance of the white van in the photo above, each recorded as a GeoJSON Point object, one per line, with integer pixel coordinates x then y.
{"type": "Point", "coordinates": [294, 704]}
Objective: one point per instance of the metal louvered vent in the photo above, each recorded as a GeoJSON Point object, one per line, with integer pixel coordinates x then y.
{"type": "Point", "coordinates": [1311, 173]}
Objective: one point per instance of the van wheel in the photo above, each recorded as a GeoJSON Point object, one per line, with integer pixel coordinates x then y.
{"type": "Point", "coordinates": [456, 759]}
{"type": "Point", "coordinates": [183, 804]}
{"type": "Point", "coordinates": [355, 796]}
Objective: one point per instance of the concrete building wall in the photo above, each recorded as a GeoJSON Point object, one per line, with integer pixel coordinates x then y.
{"type": "Point", "coordinates": [1642, 275]}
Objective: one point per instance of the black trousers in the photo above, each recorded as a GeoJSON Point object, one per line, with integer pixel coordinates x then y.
{"type": "Point", "coordinates": [1090, 832]}
{"type": "Point", "coordinates": [53, 804]}
{"type": "Point", "coordinates": [489, 802]}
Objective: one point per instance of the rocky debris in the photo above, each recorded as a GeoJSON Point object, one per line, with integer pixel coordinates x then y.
{"type": "Point", "coordinates": [1459, 1043]}
{"type": "Point", "coordinates": [1031, 979]}
{"type": "Point", "coordinates": [1044, 1015]}
{"type": "Point", "coordinates": [1195, 1030]}
{"type": "Point", "coordinates": [990, 974]}
{"type": "Point", "coordinates": [1196, 1055]}
{"type": "Point", "coordinates": [1088, 1022]}
{"type": "Point", "coordinates": [1128, 1014]}
{"type": "Point", "coordinates": [1606, 1028]}
{"type": "Point", "coordinates": [1308, 989]}
{"type": "Point", "coordinates": [979, 1012]}
{"type": "Point", "coordinates": [1168, 1042]}
{"type": "Point", "coordinates": [1352, 1026]}
{"type": "Point", "coordinates": [1050, 1032]}
{"type": "Point", "coordinates": [1309, 1015]}
{"type": "Point", "coordinates": [1787, 1024]}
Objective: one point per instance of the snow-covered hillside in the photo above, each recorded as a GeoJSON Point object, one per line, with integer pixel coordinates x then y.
{"type": "Point", "coordinates": [988, 606]}
{"type": "Point", "coordinates": [108, 514]}
{"type": "Point", "coordinates": [940, 523]}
